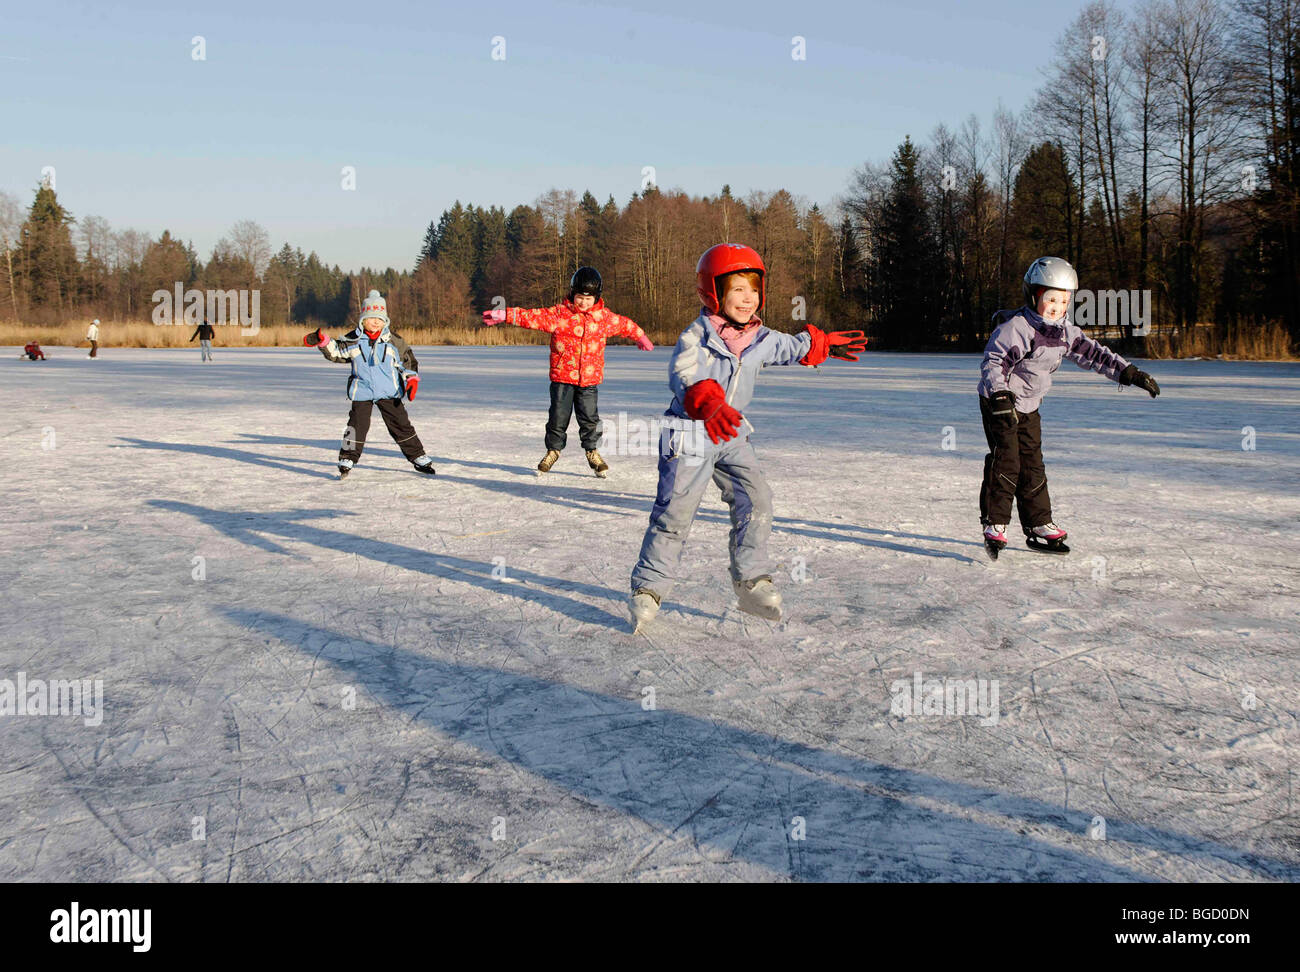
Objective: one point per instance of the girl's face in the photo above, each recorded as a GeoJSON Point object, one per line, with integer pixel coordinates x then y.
{"type": "Point", "coordinates": [372, 325]}
{"type": "Point", "coordinates": [1052, 304]}
{"type": "Point", "coordinates": [584, 301]}
{"type": "Point", "coordinates": [739, 298]}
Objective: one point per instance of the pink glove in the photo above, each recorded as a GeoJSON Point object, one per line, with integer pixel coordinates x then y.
{"type": "Point", "coordinates": [644, 343]}
{"type": "Point", "coordinates": [494, 317]}
{"type": "Point", "coordinates": [316, 339]}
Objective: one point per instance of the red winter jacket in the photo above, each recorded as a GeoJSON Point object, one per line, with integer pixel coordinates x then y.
{"type": "Point", "coordinates": [577, 337]}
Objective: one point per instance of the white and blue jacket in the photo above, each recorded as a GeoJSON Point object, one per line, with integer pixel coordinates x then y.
{"type": "Point", "coordinates": [702, 354]}
{"type": "Point", "coordinates": [379, 368]}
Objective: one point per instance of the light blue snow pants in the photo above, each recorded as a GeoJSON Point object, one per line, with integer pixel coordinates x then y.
{"type": "Point", "coordinates": [683, 478]}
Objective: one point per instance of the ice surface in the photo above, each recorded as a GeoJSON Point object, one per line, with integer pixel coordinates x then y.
{"type": "Point", "coordinates": [1149, 678]}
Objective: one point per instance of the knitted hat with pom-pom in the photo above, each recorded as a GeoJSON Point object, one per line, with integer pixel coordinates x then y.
{"type": "Point", "coordinates": [374, 306]}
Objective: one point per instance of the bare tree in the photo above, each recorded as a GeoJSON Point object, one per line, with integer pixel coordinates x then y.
{"type": "Point", "coordinates": [129, 248]}
{"type": "Point", "coordinates": [1201, 120]}
{"type": "Point", "coordinates": [565, 229]}
{"type": "Point", "coordinates": [1105, 27]}
{"type": "Point", "coordinates": [1062, 113]}
{"type": "Point", "coordinates": [1142, 93]}
{"type": "Point", "coordinates": [1266, 41]}
{"type": "Point", "coordinates": [1008, 146]}
{"type": "Point", "coordinates": [249, 242]}
{"type": "Point", "coordinates": [11, 221]}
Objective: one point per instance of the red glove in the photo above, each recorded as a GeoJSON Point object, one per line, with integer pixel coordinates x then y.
{"type": "Point", "coordinates": [840, 344]}
{"type": "Point", "coordinates": [847, 344]}
{"type": "Point", "coordinates": [316, 339]}
{"type": "Point", "coordinates": [412, 384]}
{"type": "Point", "coordinates": [707, 402]}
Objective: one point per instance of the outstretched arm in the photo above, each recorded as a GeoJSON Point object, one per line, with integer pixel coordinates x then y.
{"type": "Point", "coordinates": [840, 344]}
{"type": "Point", "coordinates": [339, 351]}
{"type": "Point", "coordinates": [780, 348]}
{"type": "Point", "coordinates": [628, 328]}
{"type": "Point", "coordinates": [534, 318]}
{"type": "Point", "coordinates": [1092, 356]}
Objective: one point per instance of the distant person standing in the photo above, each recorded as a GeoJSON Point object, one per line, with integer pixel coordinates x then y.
{"type": "Point", "coordinates": [92, 335]}
{"type": "Point", "coordinates": [204, 333]}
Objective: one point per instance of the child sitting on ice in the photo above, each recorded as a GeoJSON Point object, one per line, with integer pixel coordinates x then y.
{"type": "Point", "coordinates": [712, 374]}
{"type": "Point", "coordinates": [579, 327]}
{"type": "Point", "coordinates": [33, 352]}
{"type": "Point", "coordinates": [383, 370]}
{"type": "Point", "coordinates": [1025, 349]}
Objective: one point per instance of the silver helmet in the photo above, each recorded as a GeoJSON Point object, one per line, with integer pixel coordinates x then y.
{"type": "Point", "coordinates": [1050, 272]}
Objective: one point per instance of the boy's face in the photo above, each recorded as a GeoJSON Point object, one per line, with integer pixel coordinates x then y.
{"type": "Point", "coordinates": [1052, 304]}
{"type": "Point", "coordinates": [584, 301]}
{"type": "Point", "coordinates": [739, 298]}
{"type": "Point", "coordinates": [372, 325]}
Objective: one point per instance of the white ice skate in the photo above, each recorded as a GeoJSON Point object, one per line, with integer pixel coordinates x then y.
{"type": "Point", "coordinates": [759, 597]}
{"type": "Point", "coordinates": [643, 606]}
{"type": "Point", "coordinates": [345, 467]}
{"type": "Point", "coordinates": [1048, 538]}
{"type": "Point", "coordinates": [995, 539]}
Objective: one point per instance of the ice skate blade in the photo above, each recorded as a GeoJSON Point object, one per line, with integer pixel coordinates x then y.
{"type": "Point", "coordinates": [759, 611]}
{"type": "Point", "coordinates": [993, 548]}
{"type": "Point", "coordinates": [1043, 546]}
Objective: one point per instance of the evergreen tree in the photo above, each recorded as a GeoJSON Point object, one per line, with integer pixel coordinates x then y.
{"type": "Point", "coordinates": [1043, 211]}
{"type": "Point", "coordinates": [907, 268]}
{"type": "Point", "coordinates": [46, 260]}
{"type": "Point", "coordinates": [491, 259]}
{"type": "Point", "coordinates": [451, 241]}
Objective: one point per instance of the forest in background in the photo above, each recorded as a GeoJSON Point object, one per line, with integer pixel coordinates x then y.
{"type": "Point", "coordinates": [1158, 155]}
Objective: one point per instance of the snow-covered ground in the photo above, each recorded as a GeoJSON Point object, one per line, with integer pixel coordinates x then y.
{"type": "Point", "coordinates": [371, 679]}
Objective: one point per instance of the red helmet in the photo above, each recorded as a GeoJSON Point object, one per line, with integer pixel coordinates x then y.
{"type": "Point", "coordinates": [720, 260]}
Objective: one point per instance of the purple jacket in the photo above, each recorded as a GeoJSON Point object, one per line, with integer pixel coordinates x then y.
{"type": "Point", "coordinates": [1025, 350]}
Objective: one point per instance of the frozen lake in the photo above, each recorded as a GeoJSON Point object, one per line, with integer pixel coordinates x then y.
{"type": "Point", "coordinates": [398, 677]}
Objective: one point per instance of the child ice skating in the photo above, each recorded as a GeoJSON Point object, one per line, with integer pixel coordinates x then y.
{"type": "Point", "coordinates": [383, 371]}
{"type": "Point", "coordinates": [579, 327]}
{"type": "Point", "coordinates": [92, 335]}
{"type": "Point", "coordinates": [1023, 352]}
{"type": "Point", "coordinates": [712, 374]}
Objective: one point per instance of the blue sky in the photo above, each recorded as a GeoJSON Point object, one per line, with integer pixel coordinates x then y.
{"type": "Point", "coordinates": [145, 136]}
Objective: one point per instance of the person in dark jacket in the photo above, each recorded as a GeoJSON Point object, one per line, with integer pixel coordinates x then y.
{"type": "Point", "coordinates": [383, 371]}
{"type": "Point", "coordinates": [205, 333]}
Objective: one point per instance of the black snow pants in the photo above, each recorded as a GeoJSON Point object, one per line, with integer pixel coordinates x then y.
{"type": "Point", "coordinates": [565, 399]}
{"type": "Point", "coordinates": [1014, 469]}
{"type": "Point", "coordinates": [395, 417]}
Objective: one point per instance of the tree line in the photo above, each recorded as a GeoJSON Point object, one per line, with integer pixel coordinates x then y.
{"type": "Point", "coordinates": [1159, 155]}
